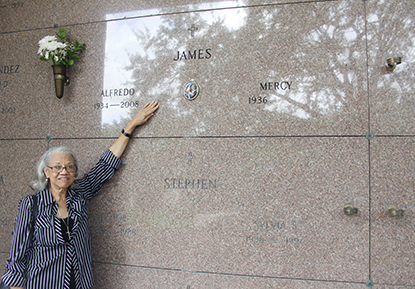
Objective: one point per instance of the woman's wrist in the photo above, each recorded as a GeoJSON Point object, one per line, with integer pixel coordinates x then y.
{"type": "Point", "coordinates": [129, 129]}
{"type": "Point", "coordinates": [126, 134]}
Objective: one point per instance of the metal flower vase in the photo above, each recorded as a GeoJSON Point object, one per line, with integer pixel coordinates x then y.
{"type": "Point", "coordinates": [59, 75]}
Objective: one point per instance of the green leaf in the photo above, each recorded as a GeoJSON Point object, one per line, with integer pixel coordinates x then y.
{"type": "Point", "coordinates": [71, 62]}
{"type": "Point", "coordinates": [43, 58]}
{"type": "Point", "coordinates": [61, 34]}
{"type": "Point", "coordinates": [76, 56]}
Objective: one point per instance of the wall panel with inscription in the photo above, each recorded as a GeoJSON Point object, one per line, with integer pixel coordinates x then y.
{"type": "Point", "coordinates": [274, 115]}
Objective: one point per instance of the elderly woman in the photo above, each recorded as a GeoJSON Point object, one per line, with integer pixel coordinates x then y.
{"type": "Point", "coordinates": [58, 255]}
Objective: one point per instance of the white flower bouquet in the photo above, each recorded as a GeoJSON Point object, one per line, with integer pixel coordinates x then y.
{"type": "Point", "coordinates": [61, 52]}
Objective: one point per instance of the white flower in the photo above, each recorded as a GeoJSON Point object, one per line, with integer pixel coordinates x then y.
{"type": "Point", "coordinates": [47, 39]}
{"type": "Point", "coordinates": [56, 50]}
{"type": "Point", "coordinates": [50, 48]}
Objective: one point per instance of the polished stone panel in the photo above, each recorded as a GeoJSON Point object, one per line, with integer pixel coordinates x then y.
{"type": "Point", "coordinates": [25, 93]}
{"type": "Point", "coordinates": [255, 206]}
{"type": "Point", "coordinates": [18, 161]}
{"type": "Point", "coordinates": [256, 77]}
{"type": "Point", "coordinates": [259, 73]}
{"type": "Point", "coordinates": [393, 247]}
{"type": "Point", "coordinates": [74, 116]}
{"type": "Point", "coordinates": [253, 80]}
{"type": "Point", "coordinates": [114, 276]}
{"type": "Point", "coordinates": [243, 186]}
{"type": "Point", "coordinates": [391, 34]}
{"type": "Point", "coordinates": [37, 14]}
{"type": "Point", "coordinates": [27, 15]}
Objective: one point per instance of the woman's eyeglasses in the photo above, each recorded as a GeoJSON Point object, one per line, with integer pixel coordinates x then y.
{"type": "Point", "coordinates": [57, 169]}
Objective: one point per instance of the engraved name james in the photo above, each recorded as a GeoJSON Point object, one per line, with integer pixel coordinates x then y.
{"type": "Point", "coordinates": [195, 54]}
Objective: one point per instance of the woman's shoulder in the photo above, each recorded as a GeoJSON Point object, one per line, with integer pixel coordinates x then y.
{"type": "Point", "coordinates": [27, 201]}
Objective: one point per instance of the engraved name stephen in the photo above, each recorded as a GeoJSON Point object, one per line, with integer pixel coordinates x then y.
{"type": "Point", "coordinates": [190, 184]}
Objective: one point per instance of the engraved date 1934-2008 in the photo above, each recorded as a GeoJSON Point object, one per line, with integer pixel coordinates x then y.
{"type": "Point", "coordinates": [122, 104]}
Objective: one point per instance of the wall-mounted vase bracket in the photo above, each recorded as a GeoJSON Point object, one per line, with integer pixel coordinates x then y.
{"type": "Point", "coordinates": [59, 75]}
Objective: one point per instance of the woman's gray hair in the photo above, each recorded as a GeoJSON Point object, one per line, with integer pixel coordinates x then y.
{"type": "Point", "coordinates": [42, 182]}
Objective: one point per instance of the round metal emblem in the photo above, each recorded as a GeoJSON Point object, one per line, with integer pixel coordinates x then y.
{"type": "Point", "coordinates": [191, 90]}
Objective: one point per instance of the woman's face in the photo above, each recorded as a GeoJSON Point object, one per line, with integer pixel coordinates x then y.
{"type": "Point", "coordinates": [63, 179]}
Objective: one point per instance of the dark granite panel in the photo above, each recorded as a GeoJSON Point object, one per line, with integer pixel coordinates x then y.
{"type": "Point", "coordinates": [393, 246]}
{"type": "Point", "coordinates": [255, 206]}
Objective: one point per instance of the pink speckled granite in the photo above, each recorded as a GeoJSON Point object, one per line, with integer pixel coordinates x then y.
{"type": "Point", "coordinates": [23, 15]}
{"type": "Point", "coordinates": [114, 276]}
{"type": "Point", "coordinates": [288, 67]}
{"type": "Point", "coordinates": [392, 95]}
{"type": "Point", "coordinates": [221, 192]}
{"type": "Point", "coordinates": [238, 206]}
{"type": "Point", "coordinates": [26, 15]}
{"type": "Point", "coordinates": [18, 161]}
{"type": "Point", "coordinates": [74, 115]}
{"type": "Point", "coordinates": [246, 59]}
{"type": "Point", "coordinates": [392, 237]}
{"type": "Point", "coordinates": [24, 92]}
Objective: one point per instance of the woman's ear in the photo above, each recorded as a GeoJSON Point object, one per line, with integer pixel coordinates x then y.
{"type": "Point", "coordinates": [45, 171]}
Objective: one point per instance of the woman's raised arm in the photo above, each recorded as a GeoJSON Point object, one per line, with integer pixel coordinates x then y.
{"type": "Point", "coordinates": [140, 118]}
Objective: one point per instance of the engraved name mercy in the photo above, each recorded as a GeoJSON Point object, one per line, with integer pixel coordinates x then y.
{"type": "Point", "coordinates": [283, 85]}
{"type": "Point", "coordinates": [190, 184]}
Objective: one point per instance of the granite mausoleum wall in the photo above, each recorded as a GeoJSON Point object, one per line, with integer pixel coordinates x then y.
{"type": "Point", "coordinates": [241, 180]}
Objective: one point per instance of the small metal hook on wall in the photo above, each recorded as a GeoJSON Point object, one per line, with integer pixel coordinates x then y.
{"type": "Point", "coordinates": [391, 63]}
{"type": "Point", "coordinates": [393, 211]}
